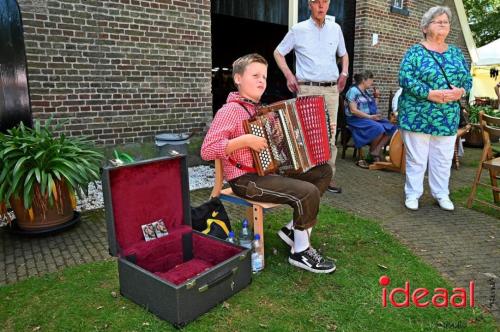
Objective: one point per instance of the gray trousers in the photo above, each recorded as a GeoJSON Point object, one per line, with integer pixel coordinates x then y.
{"type": "Point", "coordinates": [302, 192]}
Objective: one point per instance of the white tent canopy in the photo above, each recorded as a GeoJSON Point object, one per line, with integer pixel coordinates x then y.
{"type": "Point", "coordinates": [483, 59]}
{"type": "Point", "coordinates": [489, 54]}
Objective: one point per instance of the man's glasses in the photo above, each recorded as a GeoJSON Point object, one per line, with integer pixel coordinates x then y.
{"type": "Point", "coordinates": [441, 22]}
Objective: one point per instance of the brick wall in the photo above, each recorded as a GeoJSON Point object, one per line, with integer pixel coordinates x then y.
{"type": "Point", "coordinates": [396, 33]}
{"type": "Point", "coordinates": [119, 70]}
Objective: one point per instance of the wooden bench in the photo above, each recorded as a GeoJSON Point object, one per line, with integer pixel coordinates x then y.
{"type": "Point", "coordinates": [255, 210]}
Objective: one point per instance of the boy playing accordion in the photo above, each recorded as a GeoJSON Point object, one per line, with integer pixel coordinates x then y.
{"type": "Point", "coordinates": [226, 140]}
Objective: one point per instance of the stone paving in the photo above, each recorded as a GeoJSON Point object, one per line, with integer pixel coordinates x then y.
{"type": "Point", "coordinates": [462, 245]}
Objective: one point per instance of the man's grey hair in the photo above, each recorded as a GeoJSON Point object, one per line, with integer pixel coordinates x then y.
{"type": "Point", "coordinates": [432, 13]}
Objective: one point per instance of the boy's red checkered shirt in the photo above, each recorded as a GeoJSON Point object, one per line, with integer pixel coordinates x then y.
{"type": "Point", "coordinates": [228, 124]}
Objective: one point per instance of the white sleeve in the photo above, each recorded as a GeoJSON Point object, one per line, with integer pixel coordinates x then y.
{"type": "Point", "coordinates": [287, 44]}
{"type": "Point", "coordinates": [341, 51]}
{"type": "Point", "coordinates": [395, 100]}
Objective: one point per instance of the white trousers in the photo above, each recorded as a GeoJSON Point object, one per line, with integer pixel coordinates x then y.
{"type": "Point", "coordinates": [437, 152]}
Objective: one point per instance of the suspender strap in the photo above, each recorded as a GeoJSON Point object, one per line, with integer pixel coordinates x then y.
{"type": "Point", "coordinates": [234, 162]}
{"type": "Point", "coordinates": [242, 167]}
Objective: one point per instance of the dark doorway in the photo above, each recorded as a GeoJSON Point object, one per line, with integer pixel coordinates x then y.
{"type": "Point", "coordinates": [345, 15]}
{"type": "Point", "coordinates": [234, 36]}
{"type": "Point", "coordinates": [240, 27]}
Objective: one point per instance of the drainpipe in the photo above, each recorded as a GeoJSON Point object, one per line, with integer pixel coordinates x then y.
{"type": "Point", "coordinates": [293, 12]}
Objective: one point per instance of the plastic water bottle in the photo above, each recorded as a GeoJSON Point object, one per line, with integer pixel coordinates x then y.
{"type": "Point", "coordinates": [231, 238]}
{"type": "Point", "coordinates": [257, 259]}
{"type": "Point", "coordinates": [245, 235]}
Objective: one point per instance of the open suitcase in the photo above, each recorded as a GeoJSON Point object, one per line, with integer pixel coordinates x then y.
{"type": "Point", "coordinates": [182, 275]}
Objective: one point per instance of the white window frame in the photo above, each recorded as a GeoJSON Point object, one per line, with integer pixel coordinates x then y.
{"type": "Point", "coordinates": [400, 4]}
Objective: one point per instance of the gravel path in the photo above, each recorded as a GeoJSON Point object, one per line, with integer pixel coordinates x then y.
{"type": "Point", "coordinates": [199, 177]}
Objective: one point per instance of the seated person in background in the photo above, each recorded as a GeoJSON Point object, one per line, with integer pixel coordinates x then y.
{"type": "Point", "coordinates": [362, 116]}
{"type": "Point", "coordinates": [226, 140]}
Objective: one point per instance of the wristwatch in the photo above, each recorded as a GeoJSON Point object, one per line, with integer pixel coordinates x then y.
{"type": "Point", "coordinates": [344, 74]}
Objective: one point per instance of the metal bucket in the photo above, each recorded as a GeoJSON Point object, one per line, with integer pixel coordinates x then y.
{"type": "Point", "coordinates": [172, 144]}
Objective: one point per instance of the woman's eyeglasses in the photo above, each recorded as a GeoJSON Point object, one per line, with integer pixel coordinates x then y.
{"type": "Point", "coordinates": [441, 22]}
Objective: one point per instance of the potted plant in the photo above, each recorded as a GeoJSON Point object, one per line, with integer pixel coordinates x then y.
{"type": "Point", "coordinates": [474, 137]}
{"type": "Point", "coordinates": [41, 172]}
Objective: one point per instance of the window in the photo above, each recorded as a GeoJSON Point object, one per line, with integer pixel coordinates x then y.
{"type": "Point", "coordinates": [397, 4]}
{"type": "Point", "coordinates": [399, 7]}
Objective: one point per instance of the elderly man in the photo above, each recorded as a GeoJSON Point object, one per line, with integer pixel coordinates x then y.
{"type": "Point", "coordinates": [317, 43]}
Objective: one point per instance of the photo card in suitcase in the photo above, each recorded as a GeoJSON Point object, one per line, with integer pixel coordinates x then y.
{"type": "Point", "coordinates": [182, 274]}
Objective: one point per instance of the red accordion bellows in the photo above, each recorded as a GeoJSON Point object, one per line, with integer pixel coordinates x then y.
{"type": "Point", "coordinates": [297, 132]}
{"type": "Point", "coordinates": [313, 117]}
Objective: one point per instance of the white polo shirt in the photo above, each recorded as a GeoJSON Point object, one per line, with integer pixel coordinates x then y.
{"type": "Point", "coordinates": [315, 48]}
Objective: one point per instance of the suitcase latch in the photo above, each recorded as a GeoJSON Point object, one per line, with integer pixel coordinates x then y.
{"type": "Point", "coordinates": [190, 284]}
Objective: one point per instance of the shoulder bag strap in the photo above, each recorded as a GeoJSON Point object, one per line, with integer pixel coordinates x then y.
{"type": "Point", "coordinates": [440, 67]}
{"type": "Point", "coordinates": [448, 83]}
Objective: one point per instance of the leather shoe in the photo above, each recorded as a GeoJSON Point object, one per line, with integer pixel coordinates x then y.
{"type": "Point", "coordinates": [411, 204]}
{"type": "Point", "coordinates": [445, 203]}
{"type": "Point", "coordinates": [335, 190]}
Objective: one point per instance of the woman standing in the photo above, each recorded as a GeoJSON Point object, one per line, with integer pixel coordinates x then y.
{"type": "Point", "coordinates": [363, 118]}
{"type": "Point", "coordinates": [434, 76]}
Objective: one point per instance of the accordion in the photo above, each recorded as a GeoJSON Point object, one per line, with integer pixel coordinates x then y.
{"type": "Point", "coordinates": [297, 133]}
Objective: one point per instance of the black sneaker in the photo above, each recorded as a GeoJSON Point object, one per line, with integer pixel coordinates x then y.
{"type": "Point", "coordinates": [311, 260]}
{"type": "Point", "coordinates": [286, 235]}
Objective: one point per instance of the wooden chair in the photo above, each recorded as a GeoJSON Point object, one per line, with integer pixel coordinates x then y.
{"type": "Point", "coordinates": [255, 210]}
{"type": "Point", "coordinates": [490, 126]}
{"type": "Point", "coordinates": [345, 132]}
{"type": "Point", "coordinates": [460, 132]}
{"type": "Point", "coordinates": [390, 113]}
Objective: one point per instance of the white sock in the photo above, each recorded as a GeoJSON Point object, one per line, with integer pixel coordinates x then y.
{"type": "Point", "coordinates": [300, 240]}
{"type": "Point", "coordinates": [289, 225]}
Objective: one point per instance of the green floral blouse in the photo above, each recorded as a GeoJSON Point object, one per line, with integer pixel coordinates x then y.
{"type": "Point", "coordinates": [419, 73]}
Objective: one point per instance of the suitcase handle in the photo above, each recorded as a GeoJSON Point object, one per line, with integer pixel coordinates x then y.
{"type": "Point", "coordinates": [218, 280]}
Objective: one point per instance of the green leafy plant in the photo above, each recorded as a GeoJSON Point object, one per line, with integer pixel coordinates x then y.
{"type": "Point", "coordinates": [35, 163]}
{"type": "Point", "coordinates": [474, 112]}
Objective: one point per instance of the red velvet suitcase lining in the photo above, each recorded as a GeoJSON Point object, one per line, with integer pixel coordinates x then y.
{"type": "Point", "coordinates": [138, 198]}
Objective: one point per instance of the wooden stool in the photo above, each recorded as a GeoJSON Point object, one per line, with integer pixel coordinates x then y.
{"type": "Point", "coordinates": [255, 210]}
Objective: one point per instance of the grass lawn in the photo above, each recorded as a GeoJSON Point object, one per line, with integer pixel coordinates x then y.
{"type": "Point", "coordinates": [282, 298]}
{"type": "Point", "coordinates": [460, 196]}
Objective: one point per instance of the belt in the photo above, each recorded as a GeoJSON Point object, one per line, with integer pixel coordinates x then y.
{"type": "Point", "coordinates": [318, 83]}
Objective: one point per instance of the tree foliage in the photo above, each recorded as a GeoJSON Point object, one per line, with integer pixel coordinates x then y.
{"type": "Point", "coordinates": [484, 20]}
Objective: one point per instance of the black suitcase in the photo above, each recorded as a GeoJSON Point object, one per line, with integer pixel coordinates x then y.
{"type": "Point", "coordinates": [177, 277]}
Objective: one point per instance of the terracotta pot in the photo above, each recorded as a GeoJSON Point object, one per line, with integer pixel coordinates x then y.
{"type": "Point", "coordinates": [54, 215]}
{"type": "Point", "coordinates": [474, 138]}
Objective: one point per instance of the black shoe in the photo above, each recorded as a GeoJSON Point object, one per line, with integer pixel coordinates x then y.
{"type": "Point", "coordinates": [311, 260]}
{"type": "Point", "coordinates": [286, 235]}
{"type": "Point", "coordinates": [335, 190]}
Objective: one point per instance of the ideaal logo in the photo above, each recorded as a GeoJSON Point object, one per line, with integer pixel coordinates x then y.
{"type": "Point", "coordinates": [439, 299]}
